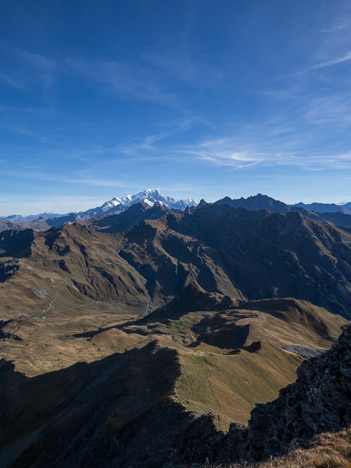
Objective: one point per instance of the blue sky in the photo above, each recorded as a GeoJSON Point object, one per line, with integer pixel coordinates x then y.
{"type": "Point", "coordinates": [199, 98]}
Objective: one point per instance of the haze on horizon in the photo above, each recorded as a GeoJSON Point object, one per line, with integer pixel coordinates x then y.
{"type": "Point", "coordinates": [196, 98]}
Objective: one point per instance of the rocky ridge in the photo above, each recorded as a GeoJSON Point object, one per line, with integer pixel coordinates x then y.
{"type": "Point", "coordinates": [318, 402]}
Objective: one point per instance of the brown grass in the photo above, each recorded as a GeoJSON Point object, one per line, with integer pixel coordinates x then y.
{"type": "Point", "coordinates": [325, 451]}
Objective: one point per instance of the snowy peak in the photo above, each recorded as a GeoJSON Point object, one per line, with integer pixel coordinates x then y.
{"type": "Point", "coordinates": [150, 197]}
{"type": "Point", "coordinates": [115, 205]}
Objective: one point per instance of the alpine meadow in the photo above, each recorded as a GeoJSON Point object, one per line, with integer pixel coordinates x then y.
{"type": "Point", "coordinates": [203, 322]}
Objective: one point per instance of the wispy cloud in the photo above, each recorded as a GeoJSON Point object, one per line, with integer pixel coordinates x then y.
{"type": "Point", "coordinates": [236, 153]}
{"type": "Point", "coordinates": [23, 63]}
{"type": "Point", "coordinates": [137, 145]}
{"type": "Point", "coordinates": [117, 78]}
{"type": "Point", "coordinates": [154, 142]}
{"type": "Point", "coordinates": [146, 78]}
{"type": "Point", "coordinates": [57, 179]}
{"type": "Point", "coordinates": [329, 109]}
{"type": "Point", "coordinates": [92, 181]}
{"type": "Point", "coordinates": [40, 111]}
{"type": "Point", "coordinates": [182, 66]}
{"type": "Point", "coordinates": [36, 60]}
{"type": "Point", "coordinates": [223, 152]}
{"type": "Point", "coordinates": [9, 80]}
{"type": "Point", "coordinates": [330, 62]}
{"type": "Point", "coordinates": [338, 27]}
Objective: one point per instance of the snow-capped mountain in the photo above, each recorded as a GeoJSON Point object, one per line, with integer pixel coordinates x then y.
{"type": "Point", "coordinates": [150, 197]}
{"type": "Point", "coordinates": [117, 204]}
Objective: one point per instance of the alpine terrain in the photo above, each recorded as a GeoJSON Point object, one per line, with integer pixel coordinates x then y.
{"type": "Point", "coordinates": [151, 332]}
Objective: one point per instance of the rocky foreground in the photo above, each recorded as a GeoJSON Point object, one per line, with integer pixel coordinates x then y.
{"type": "Point", "coordinates": [106, 418]}
{"type": "Point", "coordinates": [318, 402]}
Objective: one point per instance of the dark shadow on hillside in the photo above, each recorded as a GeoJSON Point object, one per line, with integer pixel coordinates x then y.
{"type": "Point", "coordinates": [4, 334]}
{"type": "Point", "coordinates": [16, 244]}
{"type": "Point", "coordinates": [119, 412]}
{"type": "Point", "coordinates": [319, 401]}
{"type": "Point", "coordinates": [215, 331]}
{"type": "Point", "coordinates": [190, 298]}
{"type": "Point", "coordinates": [113, 412]}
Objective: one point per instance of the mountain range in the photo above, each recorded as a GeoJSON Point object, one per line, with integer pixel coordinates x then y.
{"type": "Point", "coordinates": [326, 207]}
{"type": "Point", "coordinates": [243, 254]}
{"type": "Point", "coordinates": [146, 337]}
{"type": "Point", "coordinates": [116, 205]}
{"type": "Point", "coordinates": [339, 215]}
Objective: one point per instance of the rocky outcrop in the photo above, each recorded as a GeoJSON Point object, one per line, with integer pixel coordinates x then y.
{"type": "Point", "coordinates": [319, 401]}
{"type": "Point", "coordinates": [8, 269]}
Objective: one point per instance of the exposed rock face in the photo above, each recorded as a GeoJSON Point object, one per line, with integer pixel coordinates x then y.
{"type": "Point", "coordinates": [243, 254]}
{"type": "Point", "coordinates": [7, 270]}
{"type": "Point", "coordinates": [319, 401]}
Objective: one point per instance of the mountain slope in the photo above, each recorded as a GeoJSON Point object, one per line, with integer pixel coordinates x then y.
{"type": "Point", "coordinates": [243, 254]}
{"type": "Point", "coordinates": [128, 218]}
{"type": "Point", "coordinates": [132, 406]}
{"type": "Point", "coordinates": [177, 316]}
{"type": "Point", "coordinates": [239, 253]}
{"type": "Point", "coordinates": [317, 402]}
{"type": "Point", "coordinates": [61, 267]}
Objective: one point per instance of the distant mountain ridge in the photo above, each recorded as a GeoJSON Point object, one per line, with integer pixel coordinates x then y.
{"type": "Point", "coordinates": [264, 202]}
{"type": "Point", "coordinates": [116, 205]}
{"type": "Point", "coordinates": [326, 207]}
{"type": "Point", "coordinates": [339, 215]}
{"type": "Point", "coordinates": [28, 219]}
{"type": "Point", "coordinates": [258, 202]}
{"type": "Point", "coordinates": [151, 196]}
{"type": "Point", "coordinates": [255, 203]}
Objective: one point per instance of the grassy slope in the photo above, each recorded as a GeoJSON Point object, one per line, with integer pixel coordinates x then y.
{"type": "Point", "coordinates": [227, 381]}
